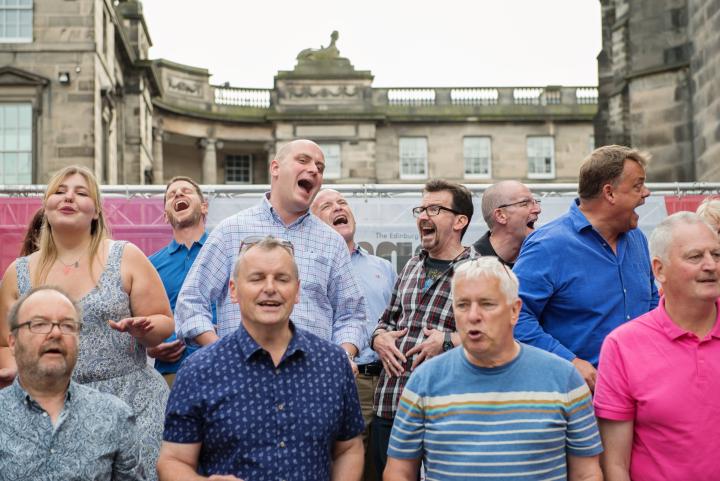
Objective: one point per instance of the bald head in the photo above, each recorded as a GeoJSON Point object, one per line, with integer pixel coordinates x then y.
{"type": "Point", "coordinates": [285, 151]}
{"type": "Point", "coordinates": [501, 193]}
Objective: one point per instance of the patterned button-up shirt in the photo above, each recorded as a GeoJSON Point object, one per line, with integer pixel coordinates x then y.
{"type": "Point", "coordinates": [261, 422]}
{"type": "Point", "coordinates": [415, 307]}
{"type": "Point", "coordinates": [331, 305]}
{"type": "Point", "coordinates": [94, 438]}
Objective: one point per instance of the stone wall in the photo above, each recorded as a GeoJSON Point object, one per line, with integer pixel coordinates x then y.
{"type": "Point", "coordinates": [705, 64]}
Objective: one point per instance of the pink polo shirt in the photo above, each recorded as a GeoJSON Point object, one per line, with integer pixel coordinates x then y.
{"type": "Point", "coordinates": [667, 381]}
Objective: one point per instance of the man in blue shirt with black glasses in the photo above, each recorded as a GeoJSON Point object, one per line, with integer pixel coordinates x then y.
{"type": "Point", "coordinates": [588, 271]}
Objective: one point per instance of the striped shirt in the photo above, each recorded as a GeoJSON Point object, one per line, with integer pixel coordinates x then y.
{"type": "Point", "coordinates": [513, 422]}
{"type": "Point", "coordinates": [331, 305]}
{"type": "Point", "coordinates": [415, 306]}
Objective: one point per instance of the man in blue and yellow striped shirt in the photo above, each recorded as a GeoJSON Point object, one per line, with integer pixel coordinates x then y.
{"type": "Point", "coordinates": [493, 407]}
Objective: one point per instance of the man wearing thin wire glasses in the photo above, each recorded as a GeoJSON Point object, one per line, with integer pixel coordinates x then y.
{"type": "Point", "coordinates": [54, 428]}
{"type": "Point", "coordinates": [510, 212]}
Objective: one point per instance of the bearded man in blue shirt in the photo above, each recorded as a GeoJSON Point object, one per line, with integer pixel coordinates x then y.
{"type": "Point", "coordinates": [185, 210]}
{"type": "Point", "coordinates": [588, 271]}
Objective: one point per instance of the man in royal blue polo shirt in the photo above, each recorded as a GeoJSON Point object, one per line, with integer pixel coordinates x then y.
{"type": "Point", "coordinates": [269, 400]}
{"type": "Point", "coordinates": [185, 211]}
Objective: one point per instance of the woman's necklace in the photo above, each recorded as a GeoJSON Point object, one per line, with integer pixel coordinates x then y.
{"type": "Point", "coordinates": [67, 268]}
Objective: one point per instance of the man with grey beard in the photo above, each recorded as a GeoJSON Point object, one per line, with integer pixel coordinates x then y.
{"type": "Point", "coordinates": [185, 210]}
{"type": "Point", "coordinates": [53, 428]}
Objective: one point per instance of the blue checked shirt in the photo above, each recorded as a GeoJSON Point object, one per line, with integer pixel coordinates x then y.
{"type": "Point", "coordinates": [331, 305]}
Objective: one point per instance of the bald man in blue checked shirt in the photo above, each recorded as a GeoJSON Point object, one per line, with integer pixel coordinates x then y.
{"type": "Point", "coordinates": [331, 305]}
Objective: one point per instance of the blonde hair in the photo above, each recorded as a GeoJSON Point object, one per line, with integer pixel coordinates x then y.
{"type": "Point", "coordinates": [710, 211]}
{"type": "Point", "coordinates": [98, 228]}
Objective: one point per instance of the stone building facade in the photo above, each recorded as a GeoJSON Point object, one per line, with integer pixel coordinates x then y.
{"type": "Point", "coordinates": [659, 84]}
{"type": "Point", "coordinates": [76, 86]}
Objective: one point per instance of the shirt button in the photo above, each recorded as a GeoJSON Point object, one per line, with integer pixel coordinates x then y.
{"type": "Point", "coordinates": [277, 371]}
{"type": "Point", "coordinates": [281, 406]}
{"type": "Point", "coordinates": [628, 317]}
{"type": "Point", "coordinates": [282, 444]}
{"type": "Point", "coordinates": [52, 451]}
{"type": "Point", "coordinates": [45, 414]}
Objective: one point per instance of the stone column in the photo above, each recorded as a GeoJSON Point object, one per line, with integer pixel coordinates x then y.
{"type": "Point", "coordinates": [157, 164]}
{"type": "Point", "coordinates": [209, 163]}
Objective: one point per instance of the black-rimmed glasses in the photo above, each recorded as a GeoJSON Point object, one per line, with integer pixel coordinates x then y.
{"type": "Point", "coordinates": [67, 327]}
{"type": "Point", "coordinates": [432, 210]}
{"type": "Point", "coordinates": [522, 203]}
{"type": "Point", "coordinates": [253, 240]}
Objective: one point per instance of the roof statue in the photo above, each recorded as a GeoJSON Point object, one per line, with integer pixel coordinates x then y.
{"type": "Point", "coordinates": [323, 53]}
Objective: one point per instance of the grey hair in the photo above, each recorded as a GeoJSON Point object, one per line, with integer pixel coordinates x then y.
{"type": "Point", "coordinates": [493, 197]}
{"type": "Point", "coordinates": [710, 211]}
{"type": "Point", "coordinates": [488, 266]}
{"type": "Point", "coordinates": [661, 238]}
{"type": "Point", "coordinates": [14, 313]}
{"type": "Point", "coordinates": [269, 243]}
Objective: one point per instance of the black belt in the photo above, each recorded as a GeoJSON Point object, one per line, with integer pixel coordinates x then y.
{"type": "Point", "coordinates": [372, 369]}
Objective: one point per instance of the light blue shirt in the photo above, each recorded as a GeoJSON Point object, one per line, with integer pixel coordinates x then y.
{"type": "Point", "coordinates": [331, 305]}
{"type": "Point", "coordinates": [575, 289]}
{"type": "Point", "coordinates": [376, 277]}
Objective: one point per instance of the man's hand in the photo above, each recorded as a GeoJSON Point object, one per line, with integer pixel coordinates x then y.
{"type": "Point", "coordinates": [223, 477]}
{"type": "Point", "coordinates": [137, 327]}
{"type": "Point", "coordinates": [385, 346]}
{"type": "Point", "coordinates": [587, 371]}
{"type": "Point", "coordinates": [7, 376]}
{"type": "Point", "coordinates": [430, 347]}
{"type": "Point", "coordinates": [167, 351]}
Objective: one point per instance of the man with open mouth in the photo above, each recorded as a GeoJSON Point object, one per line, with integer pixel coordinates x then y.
{"type": "Point", "coordinates": [588, 271]}
{"type": "Point", "coordinates": [53, 427]}
{"type": "Point", "coordinates": [510, 212]}
{"type": "Point", "coordinates": [493, 408]}
{"type": "Point", "coordinates": [376, 278]}
{"type": "Point", "coordinates": [419, 323]}
{"type": "Point", "coordinates": [185, 211]}
{"type": "Point", "coordinates": [331, 305]}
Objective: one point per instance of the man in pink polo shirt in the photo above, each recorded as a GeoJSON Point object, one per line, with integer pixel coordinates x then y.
{"type": "Point", "coordinates": [658, 389]}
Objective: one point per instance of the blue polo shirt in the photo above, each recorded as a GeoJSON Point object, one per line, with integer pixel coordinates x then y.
{"type": "Point", "coordinates": [258, 421]}
{"type": "Point", "coordinates": [173, 262]}
{"type": "Point", "coordinates": [575, 289]}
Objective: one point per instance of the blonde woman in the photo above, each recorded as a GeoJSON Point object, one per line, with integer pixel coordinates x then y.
{"type": "Point", "coordinates": [710, 211]}
{"type": "Point", "coordinates": [124, 306]}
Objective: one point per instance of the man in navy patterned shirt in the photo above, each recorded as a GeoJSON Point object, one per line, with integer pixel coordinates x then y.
{"type": "Point", "coordinates": [269, 401]}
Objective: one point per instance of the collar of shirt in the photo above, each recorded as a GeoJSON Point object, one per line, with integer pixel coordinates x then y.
{"type": "Point", "coordinates": [23, 397]}
{"type": "Point", "coordinates": [359, 251]}
{"type": "Point", "coordinates": [174, 245]}
{"type": "Point", "coordinates": [270, 211]}
{"type": "Point", "coordinates": [579, 220]}
{"type": "Point", "coordinates": [673, 331]}
{"type": "Point", "coordinates": [248, 346]}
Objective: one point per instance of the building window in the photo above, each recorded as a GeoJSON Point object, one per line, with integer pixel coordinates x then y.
{"type": "Point", "coordinates": [16, 143]}
{"type": "Point", "coordinates": [16, 20]}
{"type": "Point", "coordinates": [413, 158]}
{"type": "Point", "coordinates": [238, 169]}
{"type": "Point", "coordinates": [333, 167]}
{"type": "Point", "coordinates": [541, 157]}
{"type": "Point", "coordinates": [478, 157]}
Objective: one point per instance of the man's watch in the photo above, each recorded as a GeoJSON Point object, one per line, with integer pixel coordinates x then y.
{"type": "Point", "coordinates": [447, 343]}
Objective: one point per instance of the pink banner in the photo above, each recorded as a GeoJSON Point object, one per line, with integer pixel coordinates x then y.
{"type": "Point", "coordinates": [138, 220]}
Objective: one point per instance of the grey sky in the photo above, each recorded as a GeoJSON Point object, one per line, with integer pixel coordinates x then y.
{"type": "Point", "coordinates": [404, 43]}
